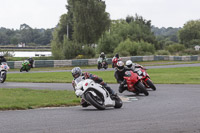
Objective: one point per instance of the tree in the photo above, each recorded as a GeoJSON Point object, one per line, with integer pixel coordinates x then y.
{"type": "Point", "coordinates": [90, 20]}
{"type": "Point", "coordinates": [189, 35]}
{"type": "Point", "coordinates": [84, 24]}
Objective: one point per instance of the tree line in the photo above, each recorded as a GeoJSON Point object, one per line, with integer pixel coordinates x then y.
{"type": "Point", "coordinates": [26, 35]}
{"type": "Point", "coordinates": [86, 30]}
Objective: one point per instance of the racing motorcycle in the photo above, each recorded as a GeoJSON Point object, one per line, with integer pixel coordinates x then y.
{"type": "Point", "coordinates": [26, 66]}
{"type": "Point", "coordinates": [102, 63]}
{"type": "Point", "coordinates": [145, 78]}
{"type": "Point", "coordinates": [95, 94]}
{"type": "Point", "coordinates": [134, 83]}
{"type": "Point", "coordinates": [114, 61]}
{"type": "Point", "coordinates": [3, 71]}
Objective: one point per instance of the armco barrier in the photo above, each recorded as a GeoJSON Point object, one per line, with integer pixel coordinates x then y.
{"type": "Point", "coordinates": [84, 62]}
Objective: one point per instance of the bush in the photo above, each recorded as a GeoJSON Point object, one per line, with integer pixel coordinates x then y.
{"type": "Point", "coordinates": [175, 48]}
{"type": "Point", "coordinates": [88, 52]}
{"type": "Point", "coordinates": [162, 52]}
{"type": "Point", "coordinates": [129, 48]}
{"type": "Point", "coordinates": [191, 51]}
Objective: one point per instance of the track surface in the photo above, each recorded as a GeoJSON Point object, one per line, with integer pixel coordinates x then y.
{"type": "Point", "coordinates": [170, 109]}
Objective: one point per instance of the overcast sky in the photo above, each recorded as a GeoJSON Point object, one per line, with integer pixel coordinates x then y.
{"type": "Point", "coordinates": [46, 13]}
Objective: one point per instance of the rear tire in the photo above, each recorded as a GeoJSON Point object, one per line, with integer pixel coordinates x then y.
{"type": "Point", "coordinates": [150, 84]}
{"type": "Point", "coordinates": [142, 88]}
{"type": "Point", "coordinates": [92, 100]}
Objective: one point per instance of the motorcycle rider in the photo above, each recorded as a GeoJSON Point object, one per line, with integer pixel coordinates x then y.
{"type": "Point", "coordinates": [115, 59]}
{"type": "Point", "coordinates": [132, 65]}
{"type": "Point", "coordinates": [76, 72]}
{"type": "Point", "coordinates": [2, 58]}
{"type": "Point", "coordinates": [102, 55]}
{"type": "Point", "coordinates": [31, 61]}
{"type": "Point", "coordinates": [119, 75]}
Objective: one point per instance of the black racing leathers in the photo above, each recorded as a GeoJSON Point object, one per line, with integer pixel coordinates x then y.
{"type": "Point", "coordinates": [119, 76]}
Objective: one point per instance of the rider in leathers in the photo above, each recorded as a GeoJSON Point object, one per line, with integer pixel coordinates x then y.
{"type": "Point", "coordinates": [76, 72]}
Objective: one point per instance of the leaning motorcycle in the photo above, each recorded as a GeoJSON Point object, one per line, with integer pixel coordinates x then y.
{"type": "Point", "coordinates": [144, 76]}
{"type": "Point", "coordinates": [26, 66]}
{"type": "Point", "coordinates": [102, 63]}
{"type": "Point", "coordinates": [3, 71]}
{"type": "Point", "coordinates": [114, 61]}
{"type": "Point", "coordinates": [95, 94]}
{"type": "Point", "coordinates": [134, 83]}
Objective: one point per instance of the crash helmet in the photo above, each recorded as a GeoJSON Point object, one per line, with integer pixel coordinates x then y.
{"type": "Point", "coordinates": [102, 53]}
{"type": "Point", "coordinates": [129, 63]}
{"type": "Point", "coordinates": [117, 55]}
{"type": "Point", "coordinates": [76, 72]}
{"type": "Point", "coordinates": [120, 65]}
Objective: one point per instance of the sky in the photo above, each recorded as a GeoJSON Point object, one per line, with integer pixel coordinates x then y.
{"type": "Point", "coordinates": [46, 13]}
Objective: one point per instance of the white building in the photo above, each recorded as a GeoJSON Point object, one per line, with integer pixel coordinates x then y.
{"type": "Point", "coordinates": [197, 47]}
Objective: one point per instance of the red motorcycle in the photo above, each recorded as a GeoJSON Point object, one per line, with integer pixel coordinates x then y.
{"type": "Point", "coordinates": [134, 83]}
{"type": "Point", "coordinates": [114, 61]}
{"type": "Point", "coordinates": [145, 78]}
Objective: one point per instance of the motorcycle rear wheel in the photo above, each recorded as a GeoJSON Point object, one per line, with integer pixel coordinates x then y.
{"type": "Point", "coordinates": [142, 88]}
{"type": "Point", "coordinates": [151, 85]}
{"type": "Point", "coordinates": [92, 100]}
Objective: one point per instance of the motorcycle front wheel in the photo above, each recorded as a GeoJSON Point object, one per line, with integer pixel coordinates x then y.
{"type": "Point", "coordinates": [151, 85]}
{"type": "Point", "coordinates": [3, 78]}
{"type": "Point", "coordinates": [96, 101]}
{"type": "Point", "coordinates": [142, 88]}
{"type": "Point", "coordinates": [118, 102]}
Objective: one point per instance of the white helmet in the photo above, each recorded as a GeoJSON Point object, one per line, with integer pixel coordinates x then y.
{"type": "Point", "coordinates": [129, 63]}
{"type": "Point", "coordinates": [120, 66]}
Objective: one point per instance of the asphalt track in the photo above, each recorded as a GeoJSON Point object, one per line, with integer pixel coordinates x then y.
{"type": "Point", "coordinates": [171, 108]}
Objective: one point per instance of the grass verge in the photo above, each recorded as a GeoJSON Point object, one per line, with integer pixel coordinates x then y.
{"type": "Point", "coordinates": [21, 98]}
{"type": "Point", "coordinates": [183, 75]}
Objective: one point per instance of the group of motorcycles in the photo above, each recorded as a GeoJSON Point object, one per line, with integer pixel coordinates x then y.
{"type": "Point", "coordinates": [26, 66]}
{"type": "Point", "coordinates": [137, 81]}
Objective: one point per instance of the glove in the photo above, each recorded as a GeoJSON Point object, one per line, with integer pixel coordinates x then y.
{"type": "Point", "coordinates": [78, 93]}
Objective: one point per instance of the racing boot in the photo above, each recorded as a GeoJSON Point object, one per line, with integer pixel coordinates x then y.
{"type": "Point", "coordinates": [84, 103]}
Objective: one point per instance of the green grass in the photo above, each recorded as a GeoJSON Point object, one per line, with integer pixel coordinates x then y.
{"type": "Point", "coordinates": [11, 99]}
{"type": "Point", "coordinates": [21, 98]}
{"type": "Point", "coordinates": [183, 75]}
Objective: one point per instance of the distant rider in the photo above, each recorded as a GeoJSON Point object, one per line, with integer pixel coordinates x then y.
{"type": "Point", "coordinates": [102, 55]}
{"type": "Point", "coordinates": [115, 59]}
{"type": "Point", "coordinates": [2, 58]}
{"type": "Point", "coordinates": [31, 61]}
{"type": "Point", "coordinates": [76, 72]}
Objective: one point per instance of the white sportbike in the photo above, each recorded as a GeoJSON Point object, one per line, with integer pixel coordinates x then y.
{"type": "Point", "coordinates": [95, 94]}
{"type": "Point", "coordinates": [3, 71]}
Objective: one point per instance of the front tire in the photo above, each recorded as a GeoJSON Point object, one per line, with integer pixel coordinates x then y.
{"type": "Point", "coordinates": [3, 78]}
{"type": "Point", "coordinates": [94, 101]}
{"type": "Point", "coordinates": [21, 69]}
{"type": "Point", "coordinates": [150, 84]}
{"type": "Point", "coordinates": [99, 66]}
{"type": "Point", "coordinates": [142, 88]}
{"type": "Point", "coordinates": [118, 102]}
